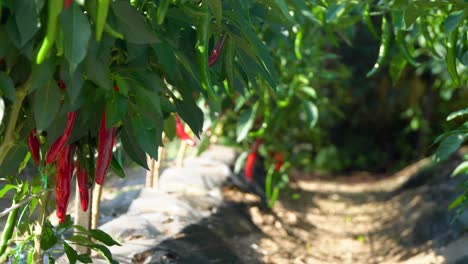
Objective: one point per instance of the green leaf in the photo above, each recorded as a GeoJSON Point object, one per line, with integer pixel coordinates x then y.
{"type": "Point", "coordinates": [166, 105]}
{"type": "Point", "coordinates": [103, 237]}
{"type": "Point", "coordinates": [457, 114]}
{"type": "Point", "coordinates": [76, 34]}
{"type": "Point", "coordinates": [122, 85]}
{"type": "Point", "coordinates": [448, 146]}
{"type": "Point", "coordinates": [311, 113]}
{"type": "Point", "coordinates": [145, 135]}
{"type": "Point", "coordinates": [132, 24]}
{"type": "Point", "coordinates": [117, 168]}
{"type": "Point", "coordinates": [149, 101]}
{"type": "Point", "coordinates": [166, 57]}
{"type": "Point", "coordinates": [46, 104]}
{"type": "Point", "coordinates": [334, 12]}
{"type": "Point", "coordinates": [98, 235]}
{"type": "Point", "coordinates": [397, 65]}
{"type": "Point", "coordinates": [7, 88]}
{"type": "Point", "coordinates": [309, 91]}
{"type": "Point", "coordinates": [240, 161]}
{"type": "Point", "coordinates": [74, 83]}
{"type": "Point", "coordinates": [283, 7]}
{"type": "Point", "coordinates": [105, 252]}
{"type": "Point", "coordinates": [116, 109]}
{"type": "Point", "coordinates": [72, 255]}
{"type": "Point", "coordinates": [216, 7]}
{"type": "Point", "coordinates": [97, 69]}
{"type": "Point", "coordinates": [398, 20]}
{"type": "Point", "coordinates": [5, 46]}
{"type": "Point", "coordinates": [462, 168]}
{"type": "Point", "coordinates": [6, 189]}
{"type": "Point", "coordinates": [13, 160]}
{"type": "Point", "coordinates": [131, 147]}
{"type": "Point", "coordinates": [68, 223]}
{"type": "Point", "coordinates": [51, 259]}
{"type": "Point", "coordinates": [461, 198]}
{"type": "Point", "coordinates": [84, 258]}
{"type": "Point", "coordinates": [48, 238]}
{"type": "Point", "coordinates": [169, 128]}
{"type": "Point", "coordinates": [24, 162]}
{"type": "Point", "coordinates": [319, 3]}
{"type": "Point", "coordinates": [26, 19]}
{"type": "Point", "coordinates": [41, 74]}
{"type": "Point", "coordinates": [191, 114]}
{"type": "Point", "coordinates": [80, 240]}
{"type": "Point", "coordinates": [453, 20]}
{"type": "Point", "coordinates": [245, 123]}
{"type": "Point", "coordinates": [203, 145]}
{"type": "Point", "coordinates": [412, 13]}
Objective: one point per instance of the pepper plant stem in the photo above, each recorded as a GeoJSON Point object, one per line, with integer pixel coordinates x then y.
{"type": "Point", "coordinates": [9, 140]}
{"type": "Point", "coordinates": [41, 216]}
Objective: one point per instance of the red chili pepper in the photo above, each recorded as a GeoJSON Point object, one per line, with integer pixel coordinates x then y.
{"type": "Point", "coordinates": [106, 140]}
{"type": "Point", "coordinates": [67, 4]}
{"type": "Point", "coordinates": [58, 145]}
{"type": "Point", "coordinates": [62, 85]}
{"type": "Point", "coordinates": [213, 58]}
{"type": "Point", "coordinates": [34, 146]}
{"type": "Point", "coordinates": [279, 161]}
{"type": "Point", "coordinates": [182, 134]}
{"type": "Point", "coordinates": [63, 178]}
{"type": "Point", "coordinates": [116, 88]}
{"type": "Point", "coordinates": [82, 179]}
{"type": "Point", "coordinates": [249, 165]}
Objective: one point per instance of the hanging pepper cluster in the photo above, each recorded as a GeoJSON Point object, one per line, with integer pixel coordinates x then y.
{"type": "Point", "coordinates": [66, 157]}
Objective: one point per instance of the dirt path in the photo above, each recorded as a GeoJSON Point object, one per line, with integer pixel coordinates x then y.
{"type": "Point", "coordinates": [400, 219]}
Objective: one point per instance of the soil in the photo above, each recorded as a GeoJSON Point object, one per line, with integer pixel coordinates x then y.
{"type": "Point", "coordinates": [398, 219]}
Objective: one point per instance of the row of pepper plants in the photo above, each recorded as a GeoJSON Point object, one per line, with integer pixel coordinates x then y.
{"type": "Point", "coordinates": [78, 76]}
{"type": "Point", "coordinates": [282, 128]}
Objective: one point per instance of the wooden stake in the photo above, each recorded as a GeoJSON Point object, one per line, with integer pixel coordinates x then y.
{"type": "Point", "coordinates": [149, 182]}
{"type": "Point", "coordinates": [82, 218]}
{"type": "Point", "coordinates": [96, 198]}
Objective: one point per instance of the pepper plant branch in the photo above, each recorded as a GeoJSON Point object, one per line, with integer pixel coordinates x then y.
{"type": "Point", "coordinates": [9, 139]}
{"type": "Point", "coordinates": [22, 202]}
{"type": "Point", "coordinates": [38, 229]}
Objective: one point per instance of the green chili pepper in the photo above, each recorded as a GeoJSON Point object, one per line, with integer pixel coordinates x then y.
{"type": "Point", "coordinates": [400, 40]}
{"type": "Point", "coordinates": [298, 44]}
{"type": "Point", "coordinates": [89, 161]}
{"type": "Point", "coordinates": [161, 11]}
{"type": "Point", "coordinates": [101, 18]}
{"type": "Point", "coordinates": [229, 65]}
{"type": "Point", "coordinates": [428, 38]}
{"type": "Point", "coordinates": [202, 53]}
{"type": "Point", "coordinates": [452, 57]}
{"type": "Point", "coordinates": [368, 21]}
{"type": "Point", "coordinates": [9, 227]}
{"type": "Point", "coordinates": [269, 183]}
{"type": "Point", "coordinates": [112, 32]}
{"type": "Point", "coordinates": [383, 50]}
{"type": "Point", "coordinates": [55, 8]}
